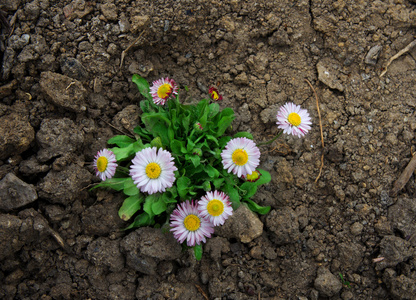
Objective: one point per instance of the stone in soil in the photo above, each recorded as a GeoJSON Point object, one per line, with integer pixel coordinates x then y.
{"type": "Point", "coordinates": [146, 247]}
{"type": "Point", "coordinates": [284, 225]}
{"type": "Point", "coordinates": [57, 137]}
{"type": "Point", "coordinates": [64, 91]}
{"type": "Point", "coordinates": [65, 186]}
{"type": "Point", "coordinates": [128, 118]}
{"type": "Point", "coordinates": [402, 216]}
{"type": "Point", "coordinates": [401, 287]}
{"type": "Point", "coordinates": [328, 71]}
{"type": "Point", "coordinates": [327, 283]}
{"type": "Point", "coordinates": [15, 193]}
{"type": "Point", "coordinates": [102, 218]}
{"type": "Point", "coordinates": [11, 5]}
{"type": "Point", "coordinates": [17, 231]}
{"type": "Point", "coordinates": [16, 134]}
{"type": "Point", "coordinates": [243, 225]}
{"type": "Point", "coordinates": [394, 250]}
{"type": "Point", "coordinates": [106, 253]}
{"type": "Point", "coordinates": [351, 255]}
{"type": "Point", "coordinates": [73, 68]}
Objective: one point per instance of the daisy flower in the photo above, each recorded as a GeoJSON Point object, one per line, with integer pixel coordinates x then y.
{"type": "Point", "coordinates": [162, 90]}
{"type": "Point", "coordinates": [240, 156]}
{"type": "Point", "coordinates": [105, 164]}
{"type": "Point", "coordinates": [293, 119]}
{"type": "Point", "coordinates": [187, 224]}
{"type": "Point", "coordinates": [253, 177]}
{"type": "Point", "coordinates": [215, 95]}
{"type": "Point", "coordinates": [152, 170]}
{"type": "Point", "coordinates": [216, 207]}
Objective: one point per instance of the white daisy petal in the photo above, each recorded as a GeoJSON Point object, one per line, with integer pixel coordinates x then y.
{"type": "Point", "coordinates": [105, 164]}
{"type": "Point", "coordinates": [187, 224]}
{"type": "Point", "coordinates": [216, 206]}
{"type": "Point", "coordinates": [162, 90]}
{"type": "Point", "coordinates": [156, 174]}
{"type": "Point", "coordinates": [240, 156]}
{"type": "Point", "coordinates": [292, 119]}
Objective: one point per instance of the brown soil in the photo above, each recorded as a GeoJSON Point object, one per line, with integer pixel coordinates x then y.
{"type": "Point", "coordinates": [65, 90]}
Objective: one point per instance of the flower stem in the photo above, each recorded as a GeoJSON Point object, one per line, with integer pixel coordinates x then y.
{"type": "Point", "coordinates": [123, 170]}
{"type": "Point", "coordinates": [272, 140]}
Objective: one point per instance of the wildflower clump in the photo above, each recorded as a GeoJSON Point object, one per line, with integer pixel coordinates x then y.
{"type": "Point", "coordinates": [183, 169]}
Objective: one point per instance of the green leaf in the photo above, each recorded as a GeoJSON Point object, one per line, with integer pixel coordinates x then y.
{"type": "Point", "coordinates": [178, 146]}
{"type": "Point", "coordinates": [173, 194]}
{"type": "Point", "coordinates": [158, 206]}
{"type": "Point", "coordinates": [257, 208]}
{"type": "Point", "coordinates": [141, 220]}
{"type": "Point", "coordinates": [112, 183]}
{"type": "Point", "coordinates": [157, 124]}
{"type": "Point", "coordinates": [130, 206]}
{"type": "Point", "coordinates": [264, 178]}
{"type": "Point", "coordinates": [142, 132]}
{"type": "Point", "coordinates": [147, 206]}
{"type": "Point", "coordinates": [243, 134]}
{"type": "Point", "coordinates": [202, 111]}
{"type": "Point", "coordinates": [218, 183]}
{"type": "Point", "coordinates": [206, 185]}
{"type": "Point", "coordinates": [233, 194]}
{"type": "Point", "coordinates": [142, 85]}
{"type": "Point", "coordinates": [183, 183]}
{"type": "Point", "coordinates": [195, 159]}
{"type": "Point", "coordinates": [170, 199]}
{"type": "Point", "coordinates": [127, 152]}
{"type": "Point", "coordinates": [211, 171]}
{"type": "Point", "coordinates": [121, 140]}
{"type": "Point", "coordinates": [198, 252]}
{"type": "Point", "coordinates": [191, 171]}
{"type": "Point", "coordinates": [250, 188]}
{"type": "Point", "coordinates": [156, 142]}
{"type": "Point", "coordinates": [213, 139]}
{"type": "Point", "coordinates": [130, 188]}
{"type": "Point", "coordinates": [190, 145]}
{"type": "Point", "coordinates": [214, 109]}
{"type": "Point", "coordinates": [186, 121]}
{"type": "Point", "coordinates": [224, 122]}
{"type": "Point", "coordinates": [224, 140]}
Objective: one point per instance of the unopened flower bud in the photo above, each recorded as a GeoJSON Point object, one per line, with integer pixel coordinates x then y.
{"type": "Point", "coordinates": [197, 151]}
{"type": "Point", "coordinates": [253, 177]}
{"type": "Point", "coordinates": [206, 186]}
{"type": "Point", "coordinates": [156, 142]}
{"type": "Point", "coordinates": [198, 126]}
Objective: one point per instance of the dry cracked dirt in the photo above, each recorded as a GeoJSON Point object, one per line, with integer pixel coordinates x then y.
{"type": "Point", "coordinates": [66, 69]}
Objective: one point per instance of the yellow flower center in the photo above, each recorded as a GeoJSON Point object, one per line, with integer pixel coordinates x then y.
{"type": "Point", "coordinates": [253, 176]}
{"type": "Point", "coordinates": [153, 170]}
{"type": "Point", "coordinates": [214, 95]}
{"type": "Point", "coordinates": [102, 163]}
{"type": "Point", "coordinates": [294, 119]}
{"type": "Point", "coordinates": [240, 157]}
{"type": "Point", "coordinates": [215, 207]}
{"type": "Point", "coordinates": [192, 222]}
{"type": "Point", "coordinates": [164, 90]}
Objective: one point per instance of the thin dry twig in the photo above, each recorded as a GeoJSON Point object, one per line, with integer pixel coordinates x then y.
{"type": "Point", "coordinates": [73, 82]}
{"type": "Point", "coordinates": [404, 177]}
{"type": "Point", "coordinates": [378, 259]}
{"type": "Point", "coordinates": [202, 291]}
{"type": "Point", "coordinates": [398, 54]}
{"type": "Point", "coordinates": [278, 148]}
{"type": "Point", "coordinates": [118, 129]}
{"type": "Point", "coordinates": [123, 54]}
{"type": "Point", "coordinates": [320, 127]}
